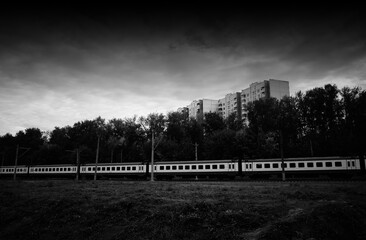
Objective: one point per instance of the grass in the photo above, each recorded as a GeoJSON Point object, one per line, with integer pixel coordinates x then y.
{"type": "Point", "coordinates": [65, 209]}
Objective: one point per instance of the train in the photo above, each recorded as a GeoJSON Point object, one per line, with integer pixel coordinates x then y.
{"type": "Point", "coordinates": [311, 167]}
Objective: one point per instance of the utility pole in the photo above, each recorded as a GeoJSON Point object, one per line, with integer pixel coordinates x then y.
{"type": "Point", "coordinates": [16, 159]}
{"type": "Point", "coordinates": [16, 163]}
{"type": "Point", "coordinates": [77, 151]}
{"type": "Point", "coordinates": [78, 164]}
{"type": "Point", "coordinates": [96, 159]}
{"type": "Point", "coordinates": [282, 159]}
{"type": "Point", "coordinates": [196, 155]}
{"type": "Point", "coordinates": [152, 155]}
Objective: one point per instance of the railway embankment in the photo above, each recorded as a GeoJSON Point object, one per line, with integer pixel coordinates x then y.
{"type": "Point", "coordinates": [66, 209]}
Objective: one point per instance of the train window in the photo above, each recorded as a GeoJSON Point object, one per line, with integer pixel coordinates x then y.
{"type": "Point", "coordinates": [319, 164]}
{"type": "Point", "coordinates": [258, 165]}
{"type": "Point", "coordinates": [301, 165]}
{"type": "Point", "coordinates": [284, 165]}
{"type": "Point", "coordinates": [61, 169]}
{"type": "Point", "coordinates": [348, 164]}
{"type": "Point", "coordinates": [275, 165]}
{"type": "Point", "coordinates": [45, 169]}
{"type": "Point", "coordinates": [118, 168]}
{"type": "Point", "coordinates": [214, 166]}
{"type": "Point", "coordinates": [103, 168]}
{"type": "Point", "coordinates": [53, 169]}
{"type": "Point", "coordinates": [174, 167]}
{"type": "Point", "coordinates": [247, 165]}
{"type": "Point", "coordinates": [108, 168]}
{"type": "Point", "coordinates": [250, 165]}
{"type": "Point", "coordinates": [186, 167]}
{"type": "Point", "coordinates": [222, 166]}
{"type": "Point", "coordinates": [123, 168]}
{"type": "Point", "coordinates": [69, 169]}
{"type": "Point", "coordinates": [98, 169]}
{"type": "Point", "coordinates": [180, 167]}
{"type": "Point", "coordinates": [113, 168]}
{"type": "Point", "coordinates": [167, 167]}
{"type": "Point", "coordinates": [42, 169]}
{"type": "Point", "coordinates": [200, 166]}
{"type": "Point", "coordinates": [89, 169]}
{"type": "Point", "coordinates": [328, 164]}
{"type": "Point", "coordinates": [133, 168]}
{"type": "Point", "coordinates": [129, 168]}
{"type": "Point", "coordinates": [161, 167]}
{"type": "Point", "coordinates": [353, 163]}
{"type": "Point", "coordinates": [267, 165]}
{"type": "Point", "coordinates": [310, 164]}
{"type": "Point", "coordinates": [194, 167]}
{"type": "Point", "coordinates": [338, 164]}
{"type": "Point", "coordinates": [154, 168]}
{"type": "Point", "coordinates": [292, 165]}
{"type": "Point", "coordinates": [207, 166]}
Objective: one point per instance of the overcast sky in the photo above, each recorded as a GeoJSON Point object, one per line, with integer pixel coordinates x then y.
{"type": "Point", "coordinates": [62, 67]}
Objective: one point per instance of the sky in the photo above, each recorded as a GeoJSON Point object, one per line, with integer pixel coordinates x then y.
{"type": "Point", "coordinates": [64, 66]}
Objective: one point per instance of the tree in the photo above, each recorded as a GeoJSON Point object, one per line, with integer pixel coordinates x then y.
{"type": "Point", "coordinates": [213, 122]}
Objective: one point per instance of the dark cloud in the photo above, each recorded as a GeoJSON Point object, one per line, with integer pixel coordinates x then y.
{"type": "Point", "coordinates": [144, 58]}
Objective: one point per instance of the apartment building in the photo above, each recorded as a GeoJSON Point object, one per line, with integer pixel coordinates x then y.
{"type": "Point", "coordinates": [237, 102]}
{"type": "Point", "coordinates": [231, 103]}
{"type": "Point", "coordinates": [198, 108]}
{"type": "Point", "coordinates": [266, 89]}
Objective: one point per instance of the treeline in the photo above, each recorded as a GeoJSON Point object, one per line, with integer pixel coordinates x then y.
{"type": "Point", "coordinates": [323, 121]}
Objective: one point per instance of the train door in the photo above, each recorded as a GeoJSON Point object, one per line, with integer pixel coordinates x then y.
{"type": "Point", "coordinates": [351, 164]}
{"type": "Point", "coordinates": [141, 168]}
{"type": "Point", "coordinates": [232, 167]}
{"type": "Point", "coordinates": [247, 167]}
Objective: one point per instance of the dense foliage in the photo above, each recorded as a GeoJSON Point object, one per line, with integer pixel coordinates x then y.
{"type": "Point", "coordinates": [321, 122]}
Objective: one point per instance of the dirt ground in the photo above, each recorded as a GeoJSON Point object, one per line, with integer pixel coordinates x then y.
{"type": "Point", "coordinates": [66, 209]}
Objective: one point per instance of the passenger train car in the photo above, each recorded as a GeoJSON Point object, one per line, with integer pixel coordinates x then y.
{"type": "Point", "coordinates": [213, 169]}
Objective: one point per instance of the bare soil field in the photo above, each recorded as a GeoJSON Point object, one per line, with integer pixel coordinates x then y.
{"type": "Point", "coordinates": [66, 209]}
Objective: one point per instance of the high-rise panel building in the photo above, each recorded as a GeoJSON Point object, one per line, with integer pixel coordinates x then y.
{"type": "Point", "coordinates": [231, 103]}
{"type": "Point", "coordinates": [237, 102]}
{"type": "Point", "coordinates": [266, 89]}
{"type": "Point", "coordinates": [198, 108]}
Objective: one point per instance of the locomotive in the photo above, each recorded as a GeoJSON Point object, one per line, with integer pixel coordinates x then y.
{"type": "Point", "coordinates": [339, 167]}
